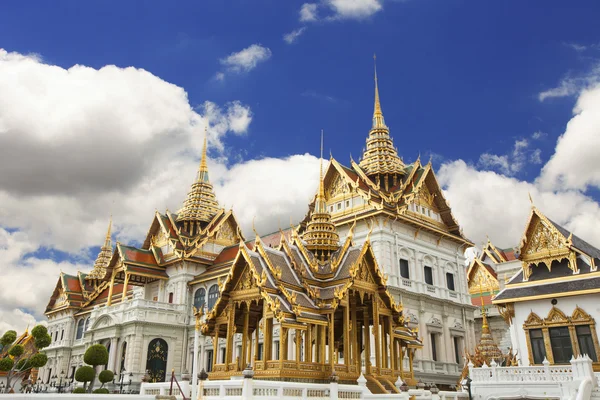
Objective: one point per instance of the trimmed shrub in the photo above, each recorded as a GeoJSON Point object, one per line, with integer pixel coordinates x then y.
{"type": "Point", "coordinates": [8, 338]}
{"type": "Point", "coordinates": [79, 390]}
{"type": "Point", "coordinates": [106, 376]}
{"type": "Point", "coordinates": [96, 355]}
{"type": "Point", "coordinates": [101, 391]}
{"type": "Point", "coordinates": [17, 350]}
{"type": "Point", "coordinates": [6, 364]}
{"type": "Point", "coordinates": [85, 374]}
{"type": "Point", "coordinates": [38, 360]}
{"type": "Point", "coordinates": [39, 330]}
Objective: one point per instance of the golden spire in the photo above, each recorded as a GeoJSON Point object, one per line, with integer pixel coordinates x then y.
{"type": "Point", "coordinates": [321, 236]}
{"type": "Point", "coordinates": [380, 158]}
{"type": "Point", "coordinates": [201, 204]}
{"type": "Point", "coordinates": [486, 346]}
{"type": "Point", "coordinates": [378, 122]}
{"type": "Point", "coordinates": [104, 256]}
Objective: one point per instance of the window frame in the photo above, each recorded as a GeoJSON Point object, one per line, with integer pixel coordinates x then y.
{"type": "Point", "coordinates": [450, 279]}
{"type": "Point", "coordinates": [430, 269]}
{"type": "Point", "coordinates": [407, 268]}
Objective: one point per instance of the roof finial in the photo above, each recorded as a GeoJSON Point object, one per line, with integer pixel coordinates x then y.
{"type": "Point", "coordinates": [378, 121]}
{"type": "Point", "coordinates": [530, 199]}
{"type": "Point", "coordinates": [203, 171]}
{"type": "Point", "coordinates": [108, 233]}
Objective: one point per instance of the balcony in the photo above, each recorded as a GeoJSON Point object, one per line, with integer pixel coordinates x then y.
{"type": "Point", "coordinates": [143, 311]}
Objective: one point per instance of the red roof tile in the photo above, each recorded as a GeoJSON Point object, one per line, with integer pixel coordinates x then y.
{"type": "Point", "coordinates": [227, 254]}
{"type": "Point", "coordinates": [138, 256]}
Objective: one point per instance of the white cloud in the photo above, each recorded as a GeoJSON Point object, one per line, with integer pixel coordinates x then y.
{"type": "Point", "coordinates": [512, 163]}
{"type": "Point", "coordinates": [354, 9]}
{"type": "Point", "coordinates": [572, 85]}
{"type": "Point", "coordinates": [488, 203]}
{"type": "Point", "coordinates": [339, 9]}
{"type": "Point", "coordinates": [574, 165]}
{"type": "Point", "coordinates": [247, 59]}
{"type": "Point", "coordinates": [308, 12]}
{"type": "Point", "coordinates": [537, 135]}
{"type": "Point", "coordinates": [293, 35]}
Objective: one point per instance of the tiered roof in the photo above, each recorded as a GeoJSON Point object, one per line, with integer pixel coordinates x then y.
{"type": "Point", "coordinates": [99, 269]}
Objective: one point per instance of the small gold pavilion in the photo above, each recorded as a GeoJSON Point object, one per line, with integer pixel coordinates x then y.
{"type": "Point", "coordinates": [328, 301]}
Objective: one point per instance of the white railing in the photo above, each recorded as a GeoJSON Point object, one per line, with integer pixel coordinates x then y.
{"type": "Point", "coordinates": [143, 310]}
{"type": "Point", "coordinates": [163, 388]}
{"type": "Point", "coordinates": [546, 381]}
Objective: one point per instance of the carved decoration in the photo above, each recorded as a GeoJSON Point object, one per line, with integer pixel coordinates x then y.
{"type": "Point", "coordinates": [226, 233]}
{"type": "Point", "coordinates": [482, 280]}
{"type": "Point", "coordinates": [338, 187]}
{"type": "Point", "coordinates": [544, 238]}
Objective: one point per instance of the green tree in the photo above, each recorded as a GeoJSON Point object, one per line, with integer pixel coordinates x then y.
{"type": "Point", "coordinates": [105, 377]}
{"type": "Point", "coordinates": [85, 374]}
{"type": "Point", "coordinates": [16, 361]}
{"type": "Point", "coordinates": [95, 355]}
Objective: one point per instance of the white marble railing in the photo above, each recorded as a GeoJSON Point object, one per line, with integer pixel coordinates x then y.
{"type": "Point", "coordinates": [556, 381]}
{"type": "Point", "coordinates": [143, 310]}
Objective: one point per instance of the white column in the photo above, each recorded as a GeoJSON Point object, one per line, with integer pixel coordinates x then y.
{"type": "Point", "coordinates": [195, 365]}
{"type": "Point", "coordinates": [112, 354]}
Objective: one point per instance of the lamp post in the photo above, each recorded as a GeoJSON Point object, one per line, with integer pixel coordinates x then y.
{"type": "Point", "coordinates": [1, 387]}
{"type": "Point", "coordinates": [121, 378]}
{"type": "Point", "coordinates": [60, 377]}
{"type": "Point", "coordinates": [466, 384]}
{"type": "Point", "coordinates": [200, 316]}
{"type": "Point", "coordinates": [37, 387]}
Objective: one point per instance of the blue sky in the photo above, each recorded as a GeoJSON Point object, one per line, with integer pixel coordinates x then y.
{"type": "Point", "coordinates": [485, 89]}
{"type": "Point", "coordinates": [451, 72]}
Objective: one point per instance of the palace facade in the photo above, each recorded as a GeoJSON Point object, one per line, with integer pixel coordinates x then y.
{"type": "Point", "coordinates": [373, 279]}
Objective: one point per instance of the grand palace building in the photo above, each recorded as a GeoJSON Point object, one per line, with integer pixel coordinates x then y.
{"type": "Point", "coordinates": [372, 280]}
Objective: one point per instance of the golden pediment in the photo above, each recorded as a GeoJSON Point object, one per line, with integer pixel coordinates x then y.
{"type": "Point", "coordinates": [338, 187]}
{"type": "Point", "coordinates": [425, 197]}
{"type": "Point", "coordinates": [483, 280]}
{"type": "Point", "coordinates": [226, 233]}
{"type": "Point", "coordinates": [544, 239]}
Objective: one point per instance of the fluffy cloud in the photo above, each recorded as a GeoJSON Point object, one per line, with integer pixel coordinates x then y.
{"type": "Point", "coordinates": [488, 203]}
{"type": "Point", "coordinates": [293, 35]}
{"type": "Point", "coordinates": [513, 162]}
{"type": "Point", "coordinates": [573, 85]}
{"type": "Point", "coordinates": [340, 9]}
{"type": "Point", "coordinates": [246, 59]}
{"type": "Point", "coordinates": [308, 12]}
{"type": "Point", "coordinates": [574, 164]}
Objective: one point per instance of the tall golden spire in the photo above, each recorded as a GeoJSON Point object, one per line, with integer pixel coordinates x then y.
{"type": "Point", "coordinates": [104, 256]}
{"type": "Point", "coordinates": [201, 204]}
{"type": "Point", "coordinates": [321, 236]}
{"type": "Point", "coordinates": [380, 159]}
{"type": "Point", "coordinates": [378, 121]}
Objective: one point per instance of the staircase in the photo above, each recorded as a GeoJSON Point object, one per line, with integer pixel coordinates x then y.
{"type": "Point", "coordinates": [381, 385]}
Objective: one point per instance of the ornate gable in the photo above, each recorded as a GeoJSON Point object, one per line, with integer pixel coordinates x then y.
{"type": "Point", "coordinates": [481, 279]}
{"type": "Point", "coordinates": [543, 238]}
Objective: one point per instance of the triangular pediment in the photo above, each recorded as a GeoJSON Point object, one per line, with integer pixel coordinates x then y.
{"type": "Point", "coordinates": [533, 319]}
{"type": "Point", "coordinates": [338, 184]}
{"type": "Point", "coordinates": [556, 316]}
{"type": "Point", "coordinates": [541, 238]}
{"type": "Point", "coordinates": [481, 279]}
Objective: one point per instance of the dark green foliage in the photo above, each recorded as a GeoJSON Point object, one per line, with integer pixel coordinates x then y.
{"type": "Point", "coordinates": [38, 360]}
{"type": "Point", "coordinates": [96, 355]}
{"type": "Point", "coordinates": [17, 350]}
{"type": "Point", "coordinates": [101, 391]}
{"type": "Point", "coordinates": [79, 390]}
{"type": "Point", "coordinates": [6, 364]}
{"type": "Point", "coordinates": [8, 338]}
{"type": "Point", "coordinates": [84, 374]}
{"type": "Point", "coordinates": [21, 364]}
{"type": "Point", "coordinates": [42, 342]}
{"type": "Point", "coordinates": [106, 376]}
{"type": "Point", "coordinates": [39, 330]}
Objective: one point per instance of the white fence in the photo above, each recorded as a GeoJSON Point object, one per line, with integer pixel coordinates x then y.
{"type": "Point", "coordinates": [71, 396]}
{"type": "Point", "coordinates": [566, 382]}
{"type": "Point", "coordinates": [249, 389]}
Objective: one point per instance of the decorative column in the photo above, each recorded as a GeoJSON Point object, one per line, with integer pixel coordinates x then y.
{"type": "Point", "coordinates": [268, 340]}
{"type": "Point", "coordinates": [257, 335]}
{"type": "Point", "coordinates": [245, 337]}
{"type": "Point", "coordinates": [384, 342]}
{"type": "Point", "coordinates": [215, 346]}
{"type": "Point", "coordinates": [195, 360]}
{"type": "Point", "coordinates": [124, 295]}
{"type": "Point", "coordinates": [110, 290]}
{"type": "Point", "coordinates": [113, 353]}
{"type": "Point", "coordinates": [299, 335]}
{"type": "Point", "coordinates": [355, 331]}
{"type": "Point", "coordinates": [322, 344]}
{"type": "Point", "coordinates": [347, 334]}
{"type": "Point", "coordinates": [308, 344]}
{"type": "Point", "coordinates": [367, 340]}
{"type": "Point", "coordinates": [331, 341]}
{"type": "Point", "coordinates": [376, 332]}
{"type": "Point", "coordinates": [230, 334]}
{"type": "Point", "coordinates": [283, 345]}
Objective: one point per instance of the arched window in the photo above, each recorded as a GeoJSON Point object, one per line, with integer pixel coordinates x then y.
{"type": "Point", "coordinates": [156, 362]}
{"type": "Point", "coordinates": [87, 324]}
{"type": "Point", "coordinates": [213, 295]}
{"type": "Point", "coordinates": [79, 334]}
{"type": "Point", "coordinates": [199, 298]}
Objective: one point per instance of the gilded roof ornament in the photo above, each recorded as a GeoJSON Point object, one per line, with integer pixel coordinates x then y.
{"type": "Point", "coordinates": [201, 204]}
{"type": "Point", "coordinates": [321, 236]}
{"type": "Point", "coordinates": [380, 156]}
{"type": "Point", "coordinates": [104, 256]}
